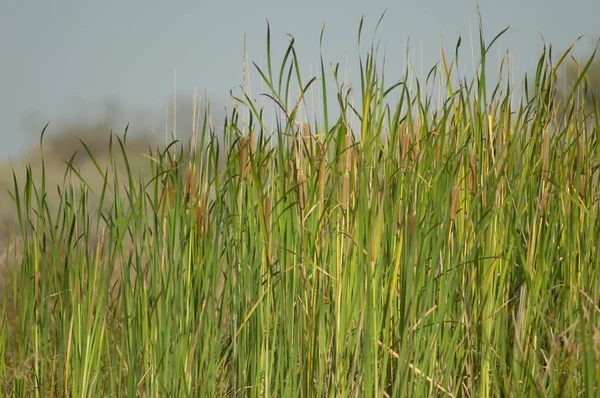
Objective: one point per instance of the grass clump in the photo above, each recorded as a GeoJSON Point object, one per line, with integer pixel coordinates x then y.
{"type": "Point", "coordinates": [434, 250]}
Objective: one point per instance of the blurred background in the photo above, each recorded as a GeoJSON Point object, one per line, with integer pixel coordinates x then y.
{"type": "Point", "coordinates": [88, 66]}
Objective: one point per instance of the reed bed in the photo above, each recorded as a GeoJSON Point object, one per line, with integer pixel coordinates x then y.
{"type": "Point", "coordinates": [440, 248]}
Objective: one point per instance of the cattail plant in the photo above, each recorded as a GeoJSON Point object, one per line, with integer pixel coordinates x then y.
{"type": "Point", "coordinates": [335, 264]}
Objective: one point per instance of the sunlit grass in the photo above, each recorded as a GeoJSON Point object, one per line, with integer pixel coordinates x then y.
{"type": "Point", "coordinates": [433, 250]}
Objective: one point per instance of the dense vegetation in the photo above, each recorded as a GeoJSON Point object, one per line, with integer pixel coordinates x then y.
{"type": "Point", "coordinates": [437, 247]}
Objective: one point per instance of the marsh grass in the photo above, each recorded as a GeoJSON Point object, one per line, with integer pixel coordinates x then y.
{"type": "Point", "coordinates": [447, 250]}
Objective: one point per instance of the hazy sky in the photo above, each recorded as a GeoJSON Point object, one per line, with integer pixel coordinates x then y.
{"type": "Point", "coordinates": [61, 60]}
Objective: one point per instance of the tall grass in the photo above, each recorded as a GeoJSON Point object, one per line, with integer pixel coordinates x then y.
{"type": "Point", "coordinates": [445, 249]}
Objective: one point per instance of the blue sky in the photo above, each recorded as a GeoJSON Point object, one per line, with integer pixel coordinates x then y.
{"type": "Point", "coordinates": [62, 60]}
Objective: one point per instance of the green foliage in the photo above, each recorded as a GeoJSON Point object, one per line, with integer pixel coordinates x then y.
{"type": "Point", "coordinates": [434, 250]}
